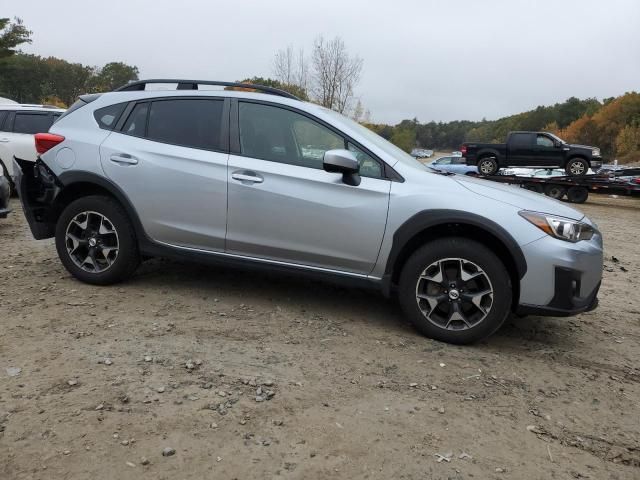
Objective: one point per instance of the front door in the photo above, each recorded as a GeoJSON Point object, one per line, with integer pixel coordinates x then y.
{"type": "Point", "coordinates": [547, 153]}
{"type": "Point", "coordinates": [169, 159]}
{"type": "Point", "coordinates": [283, 207]}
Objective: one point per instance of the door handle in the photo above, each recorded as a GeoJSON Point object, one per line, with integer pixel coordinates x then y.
{"type": "Point", "coordinates": [4, 140]}
{"type": "Point", "coordinates": [247, 176]}
{"type": "Point", "coordinates": [123, 158]}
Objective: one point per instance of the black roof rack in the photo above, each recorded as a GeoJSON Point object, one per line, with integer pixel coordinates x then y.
{"type": "Point", "coordinates": [193, 85]}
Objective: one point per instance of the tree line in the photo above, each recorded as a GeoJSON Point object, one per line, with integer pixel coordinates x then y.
{"type": "Point", "coordinates": [329, 76]}
{"type": "Point", "coordinates": [613, 125]}
{"type": "Point", "coordinates": [29, 78]}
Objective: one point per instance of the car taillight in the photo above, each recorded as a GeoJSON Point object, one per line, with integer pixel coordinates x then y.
{"type": "Point", "coordinates": [463, 149]}
{"type": "Point", "coordinates": [46, 141]}
{"type": "Point", "coordinates": [636, 180]}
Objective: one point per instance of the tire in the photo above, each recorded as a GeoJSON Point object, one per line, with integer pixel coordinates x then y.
{"type": "Point", "coordinates": [555, 191]}
{"type": "Point", "coordinates": [577, 194]}
{"type": "Point", "coordinates": [96, 228]}
{"type": "Point", "coordinates": [419, 276]}
{"type": "Point", "coordinates": [533, 187]}
{"type": "Point", "coordinates": [576, 167]}
{"type": "Point", "coordinates": [488, 166]}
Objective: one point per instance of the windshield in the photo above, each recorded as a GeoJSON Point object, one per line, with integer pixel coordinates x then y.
{"type": "Point", "coordinates": [380, 142]}
{"type": "Point", "coordinates": [556, 138]}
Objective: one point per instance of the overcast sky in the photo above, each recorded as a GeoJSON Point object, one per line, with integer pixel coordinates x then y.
{"type": "Point", "coordinates": [431, 59]}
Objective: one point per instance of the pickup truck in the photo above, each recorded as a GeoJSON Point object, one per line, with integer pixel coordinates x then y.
{"type": "Point", "coordinates": [531, 149]}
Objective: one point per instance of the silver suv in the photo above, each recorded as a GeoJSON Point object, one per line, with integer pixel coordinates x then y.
{"type": "Point", "coordinates": [264, 179]}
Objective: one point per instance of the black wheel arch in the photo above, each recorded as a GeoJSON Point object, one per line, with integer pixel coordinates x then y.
{"type": "Point", "coordinates": [433, 224]}
{"type": "Point", "coordinates": [78, 184]}
{"type": "Point", "coordinates": [489, 152]}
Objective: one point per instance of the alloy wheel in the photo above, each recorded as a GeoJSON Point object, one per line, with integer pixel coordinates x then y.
{"type": "Point", "coordinates": [92, 241]}
{"type": "Point", "coordinates": [577, 168]}
{"type": "Point", "coordinates": [486, 167]}
{"type": "Point", "coordinates": [454, 294]}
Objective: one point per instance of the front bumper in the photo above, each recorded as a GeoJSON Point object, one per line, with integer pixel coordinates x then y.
{"type": "Point", "coordinates": [562, 278]}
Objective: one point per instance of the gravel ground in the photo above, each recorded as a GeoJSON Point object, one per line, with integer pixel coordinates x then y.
{"type": "Point", "coordinates": [192, 372]}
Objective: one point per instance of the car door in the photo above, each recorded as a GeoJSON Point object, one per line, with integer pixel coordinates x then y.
{"type": "Point", "coordinates": [547, 153]}
{"type": "Point", "coordinates": [169, 157]}
{"type": "Point", "coordinates": [6, 157]}
{"type": "Point", "coordinates": [17, 139]}
{"type": "Point", "coordinates": [520, 150]}
{"type": "Point", "coordinates": [282, 206]}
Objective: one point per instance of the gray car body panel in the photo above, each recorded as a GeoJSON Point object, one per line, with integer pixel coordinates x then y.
{"type": "Point", "coordinates": [301, 216]}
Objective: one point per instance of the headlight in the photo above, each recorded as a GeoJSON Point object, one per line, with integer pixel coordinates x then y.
{"type": "Point", "coordinates": [596, 152]}
{"type": "Point", "coordinates": [559, 227]}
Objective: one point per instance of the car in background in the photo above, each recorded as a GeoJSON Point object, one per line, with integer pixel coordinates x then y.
{"type": "Point", "coordinates": [18, 124]}
{"type": "Point", "coordinates": [5, 191]}
{"type": "Point", "coordinates": [452, 164]}
{"type": "Point", "coordinates": [532, 149]}
{"type": "Point", "coordinates": [421, 153]}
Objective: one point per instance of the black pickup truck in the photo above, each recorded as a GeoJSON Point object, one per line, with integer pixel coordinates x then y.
{"type": "Point", "coordinates": [531, 149]}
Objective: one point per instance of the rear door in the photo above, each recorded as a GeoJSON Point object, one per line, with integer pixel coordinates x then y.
{"type": "Point", "coordinates": [520, 150]}
{"type": "Point", "coordinates": [284, 207]}
{"type": "Point", "coordinates": [17, 139]}
{"type": "Point", "coordinates": [170, 159]}
{"type": "Point", "coordinates": [6, 158]}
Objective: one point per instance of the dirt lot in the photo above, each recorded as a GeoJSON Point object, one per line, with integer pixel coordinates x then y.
{"type": "Point", "coordinates": [173, 359]}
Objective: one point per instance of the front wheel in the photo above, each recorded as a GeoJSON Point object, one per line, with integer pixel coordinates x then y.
{"type": "Point", "coordinates": [576, 166]}
{"type": "Point", "coordinates": [96, 242]}
{"type": "Point", "coordinates": [455, 290]}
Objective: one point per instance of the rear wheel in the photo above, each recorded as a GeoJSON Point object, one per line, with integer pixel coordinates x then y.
{"type": "Point", "coordinates": [487, 166]}
{"type": "Point", "coordinates": [555, 191]}
{"type": "Point", "coordinates": [533, 187]}
{"type": "Point", "coordinates": [455, 290]}
{"type": "Point", "coordinates": [96, 242]}
{"type": "Point", "coordinates": [577, 166]}
{"type": "Point", "coordinates": [577, 194]}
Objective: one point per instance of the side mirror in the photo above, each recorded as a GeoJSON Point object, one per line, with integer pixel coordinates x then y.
{"type": "Point", "coordinates": [557, 144]}
{"type": "Point", "coordinates": [344, 162]}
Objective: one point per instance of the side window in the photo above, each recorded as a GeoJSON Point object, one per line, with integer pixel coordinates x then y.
{"type": "Point", "coordinates": [458, 161]}
{"type": "Point", "coordinates": [195, 123]}
{"type": "Point", "coordinates": [369, 167]}
{"type": "Point", "coordinates": [444, 161]}
{"type": "Point", "coordinates": [136, 124]}
{"type": "Point", "coordinates": [544, 141]}
{"type": "Point", "coordinates": [520, 140]}
{"type": "Point", "coordinates": [280, 135]}
{"type": "Point", "coordinates": [3, 117]}
{"type": "Point", "coordinates": [32, 123]}
{"type": "Point", "coordinates": [108, 116]}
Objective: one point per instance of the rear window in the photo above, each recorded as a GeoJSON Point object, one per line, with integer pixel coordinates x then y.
{"type": "Point", "coordinates": [195, 123]}
{"type": "Point", "coordinates": [136, 124]}
{"type": "Point", "coordinates": [107, 117]}
{"type": "Point", "coordinates": [32, 123]}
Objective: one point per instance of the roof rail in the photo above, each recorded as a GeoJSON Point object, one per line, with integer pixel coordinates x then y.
{"type": "Point", "coordinates": [193, 85]}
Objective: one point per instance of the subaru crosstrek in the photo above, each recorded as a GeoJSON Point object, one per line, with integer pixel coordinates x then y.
{"type": "Point", "coordinates": [263, 178]}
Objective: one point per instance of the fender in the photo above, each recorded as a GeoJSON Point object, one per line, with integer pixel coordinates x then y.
{"type": "Point", "coordinates": [492, 151]}
{"type": "Point", "coordinates": [68, 179]}
{"type": "Point", "coordinates": [434, 218]}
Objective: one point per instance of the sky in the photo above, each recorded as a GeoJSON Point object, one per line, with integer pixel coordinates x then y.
{"type": "Point", "coordinates": [438, 60]}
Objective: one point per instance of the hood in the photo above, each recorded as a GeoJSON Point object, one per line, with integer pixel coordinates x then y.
{"type": "Point", "coordinates": [586, 147]}
{"type": "Point", "coordinates": [518, 197]}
